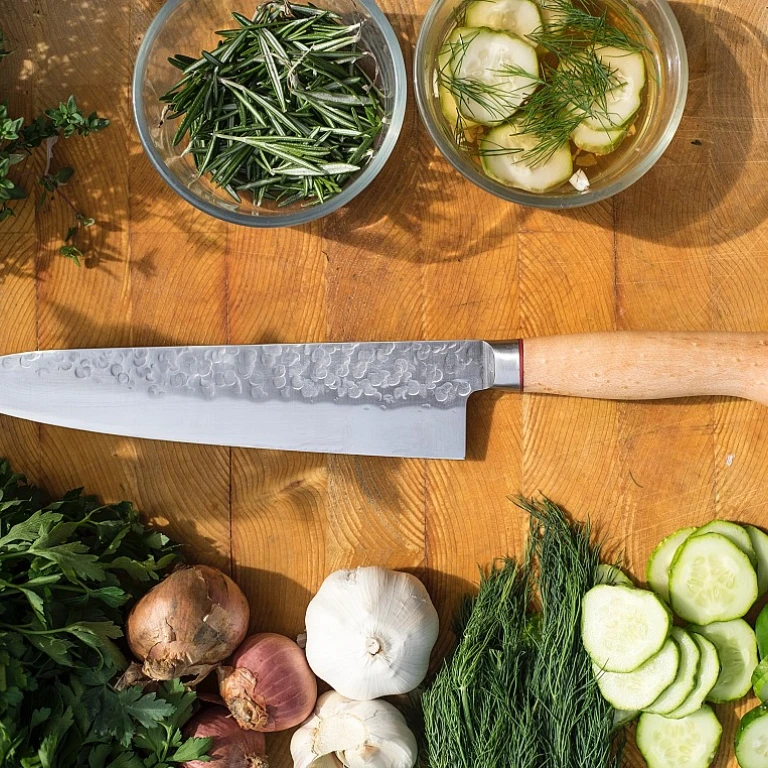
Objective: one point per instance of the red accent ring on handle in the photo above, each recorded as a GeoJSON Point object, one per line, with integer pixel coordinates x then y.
{"type": "Point", "coordinates": [520, 351]}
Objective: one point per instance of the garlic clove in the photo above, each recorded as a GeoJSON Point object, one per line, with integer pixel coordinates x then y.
{"type": "Point", "coordinates": [362, 734]}
{"type": "Point", "coordinates": [370, 632]}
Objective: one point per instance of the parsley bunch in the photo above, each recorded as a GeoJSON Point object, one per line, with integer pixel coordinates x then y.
{"type": "Point", "coordinates": [19, 139]}
{"type": "Point", "coordinates": [68, 572]}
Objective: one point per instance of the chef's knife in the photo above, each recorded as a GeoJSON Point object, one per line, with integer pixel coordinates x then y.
{"type": "Point", "coordinates": [368, 398]}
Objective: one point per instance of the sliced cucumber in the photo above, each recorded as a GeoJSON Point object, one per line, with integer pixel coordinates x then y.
{"type": "Point", "coordinates": [691, 742]}
{"type": "Point", "coordinates": [622, 717]}
{"type": "Point", "coordinates": [761, 631]}
{"type": "Point", "coordinates": [448, 105]}
{"type": "Point", "coordinates": [624, 99]}
{"type": "Point", "coordinates": [503, 154]}
{"type": "Point", "coordinates": [760, 680]}
{"type": "Point", "coordinates": [684, 683]}
{"type": "Point", "coordinates": [759, 541]}
{"type": "Point", "coordinates": [735, 533]}
{"type": "Point", "coordinates": [737, 651]}
{"type": "Point", "coordinates": [491, 73]}
{"type": "Point", "coordinates": [752, 739]}
{"type": "Point", "coordinates": [598, 141]}
{"type": "Point", "coordinates": [520, 17]}
{"type": "Point", "coordinates": [612, 574]}
{"type": "Point", "coordinates": [622, 627]}
{"type": "Point", "coordinates": [553, 12]}
{"type": "Point", "coordinates": [709, 671]}
{"type": "Point", "coordinates": [639, 689]}
{"type": "Point", "coordinates": [657, 569]}
{"type": "Point", "coordinates": [711, 579]}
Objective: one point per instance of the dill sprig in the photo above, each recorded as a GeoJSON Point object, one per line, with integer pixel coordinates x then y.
{"type": "Point", "coordinates": [282, 109]}
{"type": "Point", "coordinates": [519, 691]}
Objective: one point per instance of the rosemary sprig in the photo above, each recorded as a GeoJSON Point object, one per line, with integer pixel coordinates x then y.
{"type": "Point", "coordinates": [282, 109]}
{"type": "Point", "coordinates": [519, 690]}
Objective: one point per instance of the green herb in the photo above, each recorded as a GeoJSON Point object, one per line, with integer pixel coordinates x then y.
{"type": "Point", "coordinates": [19, 139]}
{"type": "Point", "coordinates": [282, 109]}
{"type": "Point", "coordinates": [69, 570]}
{"type": "Point", "coordinates": [519, 691]}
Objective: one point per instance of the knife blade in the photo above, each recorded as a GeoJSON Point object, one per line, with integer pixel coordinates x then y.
{"type": "Point", "coordinates": [370, 398]}
{"type": "Point", "coordinates": [404, 399]}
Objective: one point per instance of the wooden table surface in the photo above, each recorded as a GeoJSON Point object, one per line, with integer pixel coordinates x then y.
{"type": "Point", "coordinates": [421, 254]}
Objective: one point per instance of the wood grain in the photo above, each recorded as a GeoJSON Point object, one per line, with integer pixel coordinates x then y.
{"type": "Point", "coordinates": [420, 254]}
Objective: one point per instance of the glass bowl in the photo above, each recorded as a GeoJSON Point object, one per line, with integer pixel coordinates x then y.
{"type": "Point", "coordinates": [666, 90]}
{"type": "Point", "coordinates": [188, 26]}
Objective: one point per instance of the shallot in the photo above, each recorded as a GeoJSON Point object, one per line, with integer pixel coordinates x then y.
{"type": "Point", "coordinates": [188, 623]}
{"type": "Point", "coordinates": [232, 747]}
{"type": "Point", "coordinates": [269, 685]}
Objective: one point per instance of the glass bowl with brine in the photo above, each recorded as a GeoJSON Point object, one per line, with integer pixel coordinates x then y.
{"type": "Point", "coordinates": [269, 114]}
{"type": "Point", "coordinates": [551, 103]}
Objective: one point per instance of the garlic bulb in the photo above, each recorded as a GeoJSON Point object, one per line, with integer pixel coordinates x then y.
{"type": "Point", "coordinates": [370, 632]}
{"type": "Point", "coordinates": [361, 734]}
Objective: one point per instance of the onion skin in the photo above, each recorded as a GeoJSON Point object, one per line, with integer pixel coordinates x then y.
{"type": "Point", "coordinates": [232, 747]}
{"type": "Point", "coordinates": [269, 685]}
{"type": "Point", "coordinates": [186, 625]}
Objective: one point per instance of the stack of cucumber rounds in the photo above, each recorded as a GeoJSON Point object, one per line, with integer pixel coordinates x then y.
{"type": "Point", "coordinates": [645, 666]}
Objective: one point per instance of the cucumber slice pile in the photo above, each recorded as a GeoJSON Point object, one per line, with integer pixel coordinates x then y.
{"type": "Point", "coordinates": [520, 17]}
{"type": "Point", "coordinates": [737, 650]}
{"type": "Point", "coordinates": [711, 579]}
{"type": "Point", "coordinates": [503, 154]}
{"type": "Point", "coordinates": [692, 741]}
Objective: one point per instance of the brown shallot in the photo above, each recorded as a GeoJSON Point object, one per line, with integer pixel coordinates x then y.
{"type": "Point", "coordinates": [232, 747]}
{"type": "Point", "coordinates": [188, 623]}
{"type": "Point", "coordinates": [269, 685]}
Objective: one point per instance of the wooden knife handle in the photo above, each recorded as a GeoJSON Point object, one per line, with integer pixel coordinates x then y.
{"type": "Point", "coordinates": [638, 365]}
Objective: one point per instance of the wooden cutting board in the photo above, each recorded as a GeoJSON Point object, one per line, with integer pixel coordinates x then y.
{"type": "Point", "coordinates": [421, 254]}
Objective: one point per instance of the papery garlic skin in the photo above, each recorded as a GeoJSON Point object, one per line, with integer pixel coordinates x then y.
{"type": "Point", "coordinates": [361, 734]}
{"type": "Point", "coordinates": [370, 632]}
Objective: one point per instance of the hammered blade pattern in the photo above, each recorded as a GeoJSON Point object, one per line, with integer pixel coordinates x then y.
{"type": "Point", "coordinates": [440, 374]}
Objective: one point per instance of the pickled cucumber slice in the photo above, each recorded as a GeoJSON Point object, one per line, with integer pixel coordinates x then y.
{"type": "Point", "coordinates": [503, 155]}
{"type": "Point", "coordinates": [623, 100]}
{"type": "Point", "coordinates": [520, 17]}
{"type": "Point", "coordinates": [491, 73]}
{"type": "Point", "coordinates": [599, 141]}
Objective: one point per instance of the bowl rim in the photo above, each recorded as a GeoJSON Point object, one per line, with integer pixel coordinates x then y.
{"type": "Point", "coordinates": [289, 218]}
{"type": "Point", "coordinates": [591, 196]}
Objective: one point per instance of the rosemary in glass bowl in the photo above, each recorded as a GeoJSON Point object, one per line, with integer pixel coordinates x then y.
{"type": "Point", "coordinates": [284, 108]}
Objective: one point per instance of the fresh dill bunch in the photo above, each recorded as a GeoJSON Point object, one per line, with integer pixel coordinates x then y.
{"type": "Point", "coordinates": [519, 691]}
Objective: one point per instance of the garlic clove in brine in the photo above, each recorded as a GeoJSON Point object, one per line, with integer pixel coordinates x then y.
{"type": "Point", "coordinates": [370, 632]}
{"type": "Point", "coordinates": [360, 734]}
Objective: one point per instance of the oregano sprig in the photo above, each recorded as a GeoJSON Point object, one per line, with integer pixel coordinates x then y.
{"type": "Point", "coordinates": [18, 141]}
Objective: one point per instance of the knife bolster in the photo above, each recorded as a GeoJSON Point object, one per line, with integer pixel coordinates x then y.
{"type": "Point", "coordinates": [507, 361]}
